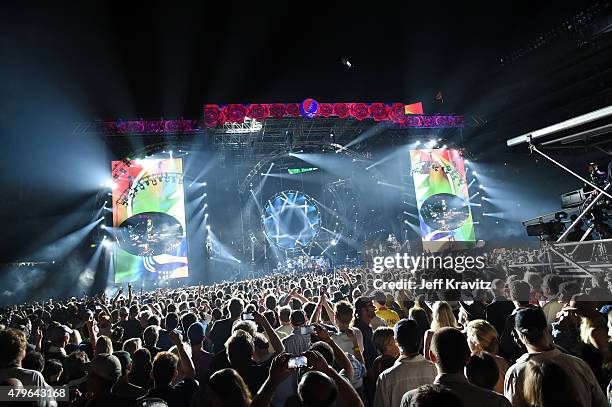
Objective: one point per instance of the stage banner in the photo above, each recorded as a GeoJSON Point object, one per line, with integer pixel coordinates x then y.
{"type": "Point", "coordinates": [149, 226]}
{"type": "Point", "coordinates": [443, 200]}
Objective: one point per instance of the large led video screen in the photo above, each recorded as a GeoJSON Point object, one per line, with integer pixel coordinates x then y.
{"type": "Point", "coordinates": [149, 225]}
{"type": "Point", "coordinates": [442, 196]}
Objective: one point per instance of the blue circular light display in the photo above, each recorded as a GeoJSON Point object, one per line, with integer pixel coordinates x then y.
{"type": "Point", "coordinates": [291, 220]}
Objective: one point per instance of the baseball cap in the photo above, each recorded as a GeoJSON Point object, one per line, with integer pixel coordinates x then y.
{"type": "Point", "coordinates": [124, 358]}
{"type": "Point", "coordinates": [407, 331]}
{"type": "Point", "coordinates": [298, 318]}
{"type": "Point", "coordinates": [362, 302]}
{"type": "Point", "coordinates": [57, 332]}
{"type": "Point", "coordinates": [530, 320]}
{"type": "Point", "coordinates": [105, 366]}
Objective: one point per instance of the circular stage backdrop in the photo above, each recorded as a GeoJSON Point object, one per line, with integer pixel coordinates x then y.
{"type": "Point", "coordinates": [291, 220]}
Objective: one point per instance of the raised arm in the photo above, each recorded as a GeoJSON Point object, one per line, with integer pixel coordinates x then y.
{"type": "Point", "coordinates": [104, 307]}
{"type": "Point", "coordinates": [93, 338]}
{"type": "Point", "coordinates": [330, 312]}
{"type": "Point", "coordinates": [339, 355]}
{"type": "Point", "coordinates": [278, 373]}
{"type": "Point", "coordinates": [275, 341]}
{"type": "Point", "coordinates": [185, 360]}
{"type": "Point", "coordinates": [116, 297]}
{"type": "Point", "coordinates": [300, 297]}
{"type": "Point", "coordinates": [347, 396]}
{"type": "Point", "coordinates": [314, 318]}
{"type": "Point", "coordinates": [39, 338]}
{"type": "Point", "coordinates": [130, 295]}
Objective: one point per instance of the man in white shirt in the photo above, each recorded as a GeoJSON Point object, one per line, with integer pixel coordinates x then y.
{"type": "Point", "coordinates": [450, 353]}
{"type": "Point", "coordinates": [411, 369]}
{"type": "Point", "coordinates": [531, 327]}
{"type": "Point", "coordinates": [284, 315]}
{"type": "Point", "coordinates": [13, 344]}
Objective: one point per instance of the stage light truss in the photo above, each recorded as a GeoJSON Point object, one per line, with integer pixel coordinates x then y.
{"type": "Point", "coordinates": [248, 126]}
{"type": "Point", "coordinates": [600, 114]}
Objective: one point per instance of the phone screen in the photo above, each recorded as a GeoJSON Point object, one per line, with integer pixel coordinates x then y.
{"type": "Point", "coordinates": [306, 330]}
{"type": "Point", "coordinates": [297, 362]}
{"type": "Point", "coordinates": [247, 316]}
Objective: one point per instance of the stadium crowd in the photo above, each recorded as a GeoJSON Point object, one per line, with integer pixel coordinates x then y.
{"type": "Point", "coordinates": [318, 340]}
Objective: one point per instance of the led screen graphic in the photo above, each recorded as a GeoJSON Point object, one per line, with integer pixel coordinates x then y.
{"type": "Point", "coordinates": [149, 220]}
{"type": "Point", "coordinates": [442, 196]}
{"type": "Point", "coordinates": [291, 220]}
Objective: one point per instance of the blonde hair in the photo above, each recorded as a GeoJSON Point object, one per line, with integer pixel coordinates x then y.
{"type": "Point", "coordinates": [590, 323]}
{"type": "Point", "coordinates": [381, 338]}
{"type": "Point", "coordinates": [442, 316]}
{"type": "Point", "coordinates": [483, 335]}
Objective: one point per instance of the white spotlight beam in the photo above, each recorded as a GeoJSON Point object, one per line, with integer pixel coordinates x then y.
{"type": "Point", "coordinates": [370, 132]}
{"type": "Point", "coordinates": [389, 185]}
{"type": "Point", "coordinates": [386, 158]}
{"type": "Point", "coordinates": [564, 125]}
{"type": "Point", "coordinates": [66, 244]}
{"type": "Point", "coordinates": [255, 200]}
{"type": "Point", "coordinates": [416, 229]}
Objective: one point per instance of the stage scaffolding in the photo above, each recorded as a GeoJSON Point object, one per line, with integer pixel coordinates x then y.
{"type": "Point", "coordinates": [587, 132]}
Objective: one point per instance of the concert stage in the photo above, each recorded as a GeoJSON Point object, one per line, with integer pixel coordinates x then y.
{"type": "Point", "coordinates": [259, 189]}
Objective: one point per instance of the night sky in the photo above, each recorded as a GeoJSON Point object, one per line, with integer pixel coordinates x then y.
{"type": "Point", "coordinates": [110, 60]}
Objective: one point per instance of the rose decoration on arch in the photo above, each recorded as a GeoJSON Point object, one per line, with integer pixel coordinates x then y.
{"type": "Point", "coordinates": [397, 113]}
{"type": "Point", "coordinates": [379, 112]}
{"type": "Point", "coordinates": [429, 121]}
{"type": "Point", "coordinates": [235, 113]}
{"type": "Point", "coordinates": [293, 109]}
{"type": "Point", "coordinates": [213, 116]}
{"type": "Point", "coordinates": [136, 126]}
{"type": "Point", "coordinates": [342, 110]}
{"type": "Point", "coordinates": [360, 111]}
{"type": "Point", "coordinates": [259, 112]}
{"type": "Point", "coordinates": [187, 126]}
{"type": "Point", "coordinates": [153, 126]}
{"type": "Point", "coordinates": [278, 110]}
{"type": "Point", "coordinates": [326, 109]}
{"type": "Point", "coordinates": [413, 121]}
{"type": "Point", "coordinates": [171, 126]}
